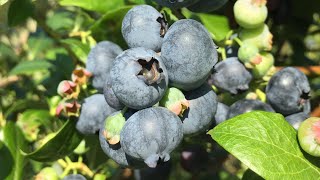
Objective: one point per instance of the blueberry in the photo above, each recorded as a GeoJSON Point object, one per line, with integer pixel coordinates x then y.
{"type": "Point", "coordinates": [262, 69]}
{"type": "Point", "coordinates": [99, 62]}
{"type": "Point", "coordinates": [94, 111]}
{"type": "Point", "coordinates": [115, 151]}
{"type": "Point", "coordinates": [175, 101]}
{"type": "Point", "coordinates": [247, 105]}
{"type": "Point", "coordinates": [247, 52]}
{"type": "Point", "coordinates": [189, 54]}
{"type": "Point", "coordinates": [221, 113]}
{"type": "Point", "coordinates": [207, 5]}
{"type": "Point", "coordinates": [296, 119]}
{"type": "Point", "coordinates": [260, 37]}
{"type": "Point", "coordinates": [139, 78]}
{"type": "Point", "coordinates": [151, 134]}
{"type": "Point", "coordinates": [202, 107]}
{"type": "Point", "coordinates": [288, 91]}
{"type": "Point", "coordinates": [161, 172]}
{"type": "Point", "coordinates": [110, 97]}
{"type": "Point", "coordinates": [309, 136]}
{"type": "Point", "coordinates": [74, 177]}
{"type": "Point", "coordinates": [176, 3]}
{"type": "Point", "coordinates": [230, 75]}
{"type": "Point", "coordinates": [250, 13]}
{"type": "Point", "coordinates": [194, 158]}
{"type": "Point", "coordinates": [144, 26]}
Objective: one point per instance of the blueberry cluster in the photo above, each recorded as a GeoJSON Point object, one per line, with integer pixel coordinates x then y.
{"type": "Point", "coordinates": [154, 93]}
{"type": "Point", "coordinates": [159, 90]}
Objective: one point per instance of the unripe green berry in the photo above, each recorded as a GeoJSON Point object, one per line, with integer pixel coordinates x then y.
{"type": "Point", "coordinates": [113, 126]}
{"type": "Point", "coordinates": [260, 37]}
{"type": "Point", "coordinates": [261, 69]}
{"type": "Point", "coordinates": [309, 136]}
{"type": "Point", "coordinates": [175, 101]}
{"type": "Point", "coordinates": [47, 173]}
{"type": "Point", "coordinates": [247, 51]}
{"type": "Point", "coordinates": [250, 13]}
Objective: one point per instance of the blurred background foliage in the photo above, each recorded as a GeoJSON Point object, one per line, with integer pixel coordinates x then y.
{"type": "Point", "coordinates": [41, 42]}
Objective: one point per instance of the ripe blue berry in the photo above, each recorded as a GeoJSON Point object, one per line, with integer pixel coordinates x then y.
{"type": "Point", "coordinates": [202, 107]}
{"type": "Point", "coordinates": [230, 75]}
{"type": "Point", "coordinates": [99, 62]}
{"type": "Point", "coordinates": [189, 54]}
{"type": "Point", "coordinates": [110, 97]}
{"type": "Point", "coordinates": [288, 91]}
{"type": "Point", "coordinates": [94, 111]}
{"type": "Point", "coordinates": [115, 151]}
{"type": "Point", "coordinates": [144, 26]}
{"type": "Point", "coordinates": [139, 78]}
{"type": "Point", "coordinates": [222, 113]}
{"type": "Point", "coordinates": [151, 134]}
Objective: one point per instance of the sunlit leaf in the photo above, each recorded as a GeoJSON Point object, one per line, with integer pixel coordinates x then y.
{"type": "Point", "coordinates": [29, 67]}
{"type": "Point", "coordinates": [60, 145]}
{"type": "Point", "coordinates": [217, 25]}
{"type": "Point", "coordinates": [80, 50]}
{"type": "Point", "coordinates": [101, 6]}
{"type": "Point", "coordinates": [267, 144]}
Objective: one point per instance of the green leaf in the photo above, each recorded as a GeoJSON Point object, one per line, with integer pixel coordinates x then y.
{"type": "Point", "coordinates": [217, 25]}
{"type": "Point", "coordinates": [29, 67]}
{"type": "Point", "coordinates": [101, 6]}
{"type": "Point", "coordinates": [31, 119]}
{"type": "Point", "coordinates": [110, 16]}
{"type": "Point", "coordinates": [2, 2]}
{"type": "Point", "coordinates": [21, 105]}
{"type": "Point", "coordinates": [19, 11]}
{"type": "Point", "coordinates": [59, 146]}
{"type": "Point", "coordinates": [80, 50]}
{"type": "Point", "coordinates": [38, 46]}
{"type": "Point", "coordinates": [267, 144]}
{"type": "Point", "coordinates": [95, 155]}
{"type": "Point", "coordinates": [6, 161]}
{"type": "Point", "coordinates": [61, 20]}
{"type": "Point", "coordinates": [38, 115]}
{"type": "Point", "coordinates": [14, 140]}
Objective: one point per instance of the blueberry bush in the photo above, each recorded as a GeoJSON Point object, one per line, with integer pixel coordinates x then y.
{"type": "Point", "coordinates": [159, 89]}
